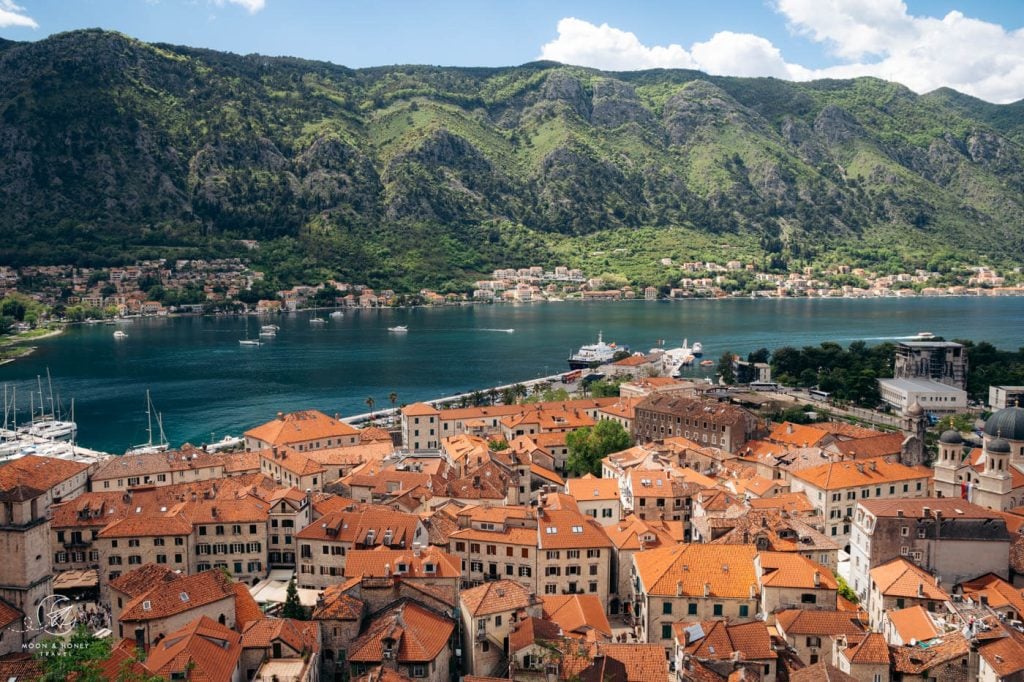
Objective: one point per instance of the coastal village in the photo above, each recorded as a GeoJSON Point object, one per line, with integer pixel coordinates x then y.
{"type": "Point", "coordinates": [161, 287]}
{"type": "Point", "coordinates": [454, 544]}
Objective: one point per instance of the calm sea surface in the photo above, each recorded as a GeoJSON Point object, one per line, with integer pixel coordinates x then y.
{"type": "Point", "coordinates": [207, 386]}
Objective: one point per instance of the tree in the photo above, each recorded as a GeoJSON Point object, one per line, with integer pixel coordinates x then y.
{"type": "Point", "coordinates": [370, 402]}
{"type": "Point", "coordinates": [725, 369]}
{"type": "Point", "coordinates": [393, 398]}
{"type": "Point", "coordinates": [292, 606]}
{"type": "Point", "coordinates": [78, 657]}
{"type": "Point", "coordinates": [497, 444]}
{"type": "Point", "coordinates": [589, 445]}
{"type": "Point", "coordinates": [845, 591]}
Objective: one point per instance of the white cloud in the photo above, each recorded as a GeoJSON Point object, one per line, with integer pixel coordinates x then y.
{"type": "Point", "coordinates": [251, 6]}
{"type": "Point", "coordinates": [604, 47]}
{"type": "Point", "coordinates": [13, 15]}
{"type": "Point", "coordinates": [870, 37]}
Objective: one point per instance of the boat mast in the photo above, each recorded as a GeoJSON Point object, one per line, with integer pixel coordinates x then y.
{"type": "Point", "coordinates": [49, 382]}
{"type": "Point", "coordinates": [39, 380]}
{"type": "Point", "coordinates": [149, 418]}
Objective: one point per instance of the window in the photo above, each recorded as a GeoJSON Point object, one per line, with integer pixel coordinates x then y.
{"type": "Point", "coordinates": [419, 670]}
{"type": "Point", "coordinates": [572, 554]}
{"type": "Point", "coordinates": [717, 610]}
{"type": "Point", "coordinates": [593, 569]}
{"type": "Point", "coordinates": [666, 607]}
{"type": "Point", "coordinates": [814, 641]}
{"type": "Point", "coordinates": [553, 570]}
{"type": "Point", "coordinates": [904, 531]}
{"type": "Point", "coordinates": [550, 589]}
{"type": "Point", "coordinates": [592, 587]}
{"type": "Point", "coordinates": [691, 609]}
{"type": "Point", "coordinates": [606, 514]}
{"type": "Point", "coordinates": [525, 571]}
{"type": "Point", "coordinates": [133, 542]}
{"type": "Point", "coordinates": [553, 555]}
{"type": "Point", "coordinates": [808, 599]}
{"type": "Point", "coordinates": [460, 546]}
{"type": "Point", "coordinates": [744, 611]}
{"type": "Point", "coordinates": [178, 542]}
{"type": "Point", "coordinates": [593, 554]}
{"type": "Point", "coordinates": [158, 542]}
{"type": "Point", "coordinates": [477, 566]}
{"type": "Point", "coordinates": [666, 631]}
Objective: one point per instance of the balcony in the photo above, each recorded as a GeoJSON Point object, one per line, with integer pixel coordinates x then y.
{"type": "Point", "coordinates": [481, 635]}
{"type": "Point", "coordinates": [76, 544]}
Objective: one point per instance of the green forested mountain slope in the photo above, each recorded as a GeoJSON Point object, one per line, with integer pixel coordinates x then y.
{"type": "Point", "coordinates": [111, 148]}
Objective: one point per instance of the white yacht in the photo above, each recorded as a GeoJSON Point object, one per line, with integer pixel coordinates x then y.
{"type": "Point", "coordinates": [593, 354]}
{"type": "Point", "coordinates": [149, 447]}
{"type": "Point", "coordinates": [401, 328]}
{"type": "Point", "coordinates": [118, 335]}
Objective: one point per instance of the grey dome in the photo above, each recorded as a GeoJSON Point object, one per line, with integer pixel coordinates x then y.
{"type": "Point", "coordinates": [998, 445]}
{"type": "Point", "coordinates": [1007, 423]}
{"type": "Point", "coordinates": [915, 410]}
{"type": "Point", "coordinates": [951, 436]}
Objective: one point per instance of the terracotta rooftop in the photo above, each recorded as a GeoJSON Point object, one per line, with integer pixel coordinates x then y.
{"type": "Point", "coordinates": [30, 476]}
{"type": "Point", "coordinates": [913, 660]}
{"type": "Point", "coordinates": [714, 411]}
{"type": "Point", "coordinates": [496, 597]}
{"type": "Point", "coordinates": [643, 662]}
{"type": "Point", "coordinates": [20, 667]}
{"type": "Point", "coordinates": [997, 592]}
{"type": "Point", "coordinates": [824, 623]}
{"type": "Point", "coordinates": [633, 532]}
{"type": "Point", "coordinates": [846, 474]}
{"type": "Point", "coordinates": [717, 640]}
{"type": "Point", "coordinates": [792, 570]}
{"type": "Point", "coordinates": [913, 624]}
{"type": "Point", "coordinates": [185, 593]}
{"type": "Point", "coordinates": [430, 562]}
{"type": "Point", "coordinates": [567, 529]}
{"type": "Point", "coordinates": [788, 502]}
{"type": "Point", "coordinates": [204, 650]}
{"type": "Point", "coordinates": [8, 614]}
{"type": "Point", "coordinates": [788, 433]}
{"type": "Point", "coordinates": [577, 614]}
{"type": "Point", "coordinates": [187, 458]}
{"type": "Point", "coordinates": [417, 634]}
{"type": "Point", "coordinates": [235, 462]}
{"type": "Point", "coordinates": [246, 609]}
{"type": "Point", "coordinates": [369, 527]}
{"type": "Point", "coordinates": [872, 650]}
{"type": "Point", "coordinates": [301, 636]}
{"type": "Point", "coordinates": [727, 569]}
{"type": "Point", "coordinates": [154, 525]}
{"type": "Point", "coordinates": [900, 578]}
{"type": "Point", "coordinates": [299, 427]}
{"type": "Point", "coordinates": [142, 579]}
{"type": "Point", "coordinates": [821, 672]}
{"type": "Point", "coordinates": [913, 508]}
{"type": "Point", "coordinates": [335, 604]}
{"type": "Point", "coordinates": [530, 630]}
{"type": "Point", "coordinates": [875, 446]}
{"type": "Point", "coordinates": [1005, 655]}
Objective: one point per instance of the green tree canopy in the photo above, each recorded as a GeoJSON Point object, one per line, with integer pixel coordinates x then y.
{"type": "Point", "coordinates": [292, 606]}
{"type": "Point", "coordinates": [589, 445]}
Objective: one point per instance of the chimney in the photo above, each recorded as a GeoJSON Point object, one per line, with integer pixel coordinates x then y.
{"type": "Point", "coordinates": [873, 465]}
{"type": "Point", "coordinates": [789, 428]}
{"type": "Point", "coordinates": [213, 512]}
{"type": "Point", "coordinates": [926, 511]}
{"type": "Point", "coordinates": [679, 588]}
{"type": "Point", "coordinates": [817, 578]}
{"type": "Point", "coordinates": [920, 589]}
{"type": "Point", "coordinates": [280, 415]}
{"type": "Point", "coordinates": [140, 639]}
{"type": "Point", "coordinates": [707, 589]}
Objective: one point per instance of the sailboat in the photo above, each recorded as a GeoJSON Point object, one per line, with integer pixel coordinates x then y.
{"type": "Point", "coordinates": [316, 321]}
{"type": "Point", "coordinates": [51, 426]}
{"type": "Point", "coordinates": [149, 447]}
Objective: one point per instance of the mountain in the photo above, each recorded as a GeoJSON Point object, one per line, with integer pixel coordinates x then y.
{"type": "Point", "coordinates": [115, 149]}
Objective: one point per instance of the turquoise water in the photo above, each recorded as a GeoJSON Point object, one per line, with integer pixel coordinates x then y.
{"type": "Point", "coordinates": [207, 386]}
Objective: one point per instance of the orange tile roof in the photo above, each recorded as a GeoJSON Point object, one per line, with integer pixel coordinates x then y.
{"type": "Point", "coordinates": [531, 630]}
{"type": "Point", "coordinates": [18, 667]}
{"type": "Point", "coordinates": [846, 474]}
{"type": "Point", "coordinates": [206, 650]}
{"type": "Point", "coordinates": [335, 604]}
{"type": "Point", "coordinates": [913, 660]}
{"type": "Point", "coordinates": [847, 430]}
{"type": "Point", "coordinates": [567, 529]}
{"type": "Point", "coordinates": [643, 662]}
{"type": "Point", "coordinates": [300, 636]}
{"type": "Point", "coordinates": [186, 458]}
{"type": "Point", "coordinates": [824, 623]}
{"type": "Point", "coordinates": [235, 462]}
{"type": "Point", "coordinates": [419, 410]}
{"type": "Point", "coordinates": [546, 474]}
{"type": "Point", "coordinates": [721, 640]}
{"type": "Point", "coordinates": [496, 597]}
{"type": "Point", "coordinates": [1005, 655]}
{"type": "Point", "coordinates": [352, 455]}
{"type": "Point", "coordinates": [381, 562]}
{"type": "Point", "coordinates": [872, 650]}
{"type": "Point", "coordinates": [142, 579]}
{"type": "Point", "coordinates": [633, 532]}
{"type": "Point", "coordinates": [156, 525]}
{"type": "Point", "coordinates": [949, 507]}
{"type": "Point", "coordinates": [913, 624]}
{"type": "Point", "coordinates": [789, 502]}
{"type": "Point", "coordinates": [821, 672]}
{"type": "Point", "coordinates": [875, 446]}
{"type": "Point", "coordinates": [121, 664]}
{"type": "Point", "coordinates": [728, 569]}
{"type": "Point", "coordinates": [419, 635]}
{"type": "Point", "coordinates": [9, 614]}
{"type": "Point", "coordinates": [357, 527]}
{"type": "Point", "coordinates": [299, 427]}
{"type": "Point", "coordinates": [30, 476]}
{"type": "Point", "coordinates": [183, 594]}
{"type": "Point", "coordinates": [298, 463]}
{"type": "Point", "coordinates": [996, 591]}
{"type": "Point", "coordinates": [799, 435]}
{"type": "Point", "coordinates": [591, 488]}
{"type": "Point", "coordinates": [246, 609]}
{"type": "Point", "coordinates": [900, 578]}
{"type": "Point", "coordinates": [510, 536]}
{"type": "Point", "coordinates": [578, 614]}
{"type": "Point", "coordinates": [791, 570]}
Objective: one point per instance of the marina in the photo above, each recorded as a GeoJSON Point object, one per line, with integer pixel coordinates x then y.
{"type": "Point", "coordinates": [206, 386]}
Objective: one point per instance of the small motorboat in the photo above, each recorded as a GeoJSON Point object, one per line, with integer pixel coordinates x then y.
{"type": "Point", "coordinates": [120, 335]}
{"type": "Point", "coordinates": [398, 329]}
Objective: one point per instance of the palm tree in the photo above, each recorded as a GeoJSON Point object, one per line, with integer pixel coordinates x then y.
{"type": "Point", "coordinates": [520, 391]}
{"type": "Point", "coordinates": [393, 397]}
{"type": "Point", "coordinates": [492, 395]}
{"type": "Point", "coordinates": [370, 403]}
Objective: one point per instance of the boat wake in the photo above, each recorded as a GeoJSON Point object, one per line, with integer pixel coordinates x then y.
{"type": "Point", "coordinates": [503, 331]}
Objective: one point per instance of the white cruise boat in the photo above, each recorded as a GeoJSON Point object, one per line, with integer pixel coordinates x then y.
{"type": "Point", "coordinates": [593, 354]}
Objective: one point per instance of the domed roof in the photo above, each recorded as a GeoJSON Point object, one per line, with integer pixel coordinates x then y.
{"type": "Point", "coordinates": [915, 410]}
{"type": "Point", "coordinates": [951, 436]}
{"type": "Point", "coordinates": [998, 445]}
{"type": "Point", "coordinates": [1007, 422]}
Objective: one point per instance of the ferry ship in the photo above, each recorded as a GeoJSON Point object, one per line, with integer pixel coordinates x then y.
{"type": "Point", "coordinates": [593, 354]}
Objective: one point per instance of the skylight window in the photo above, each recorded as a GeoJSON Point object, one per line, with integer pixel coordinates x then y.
{"type": "Point", "coordinates": [184, 596]}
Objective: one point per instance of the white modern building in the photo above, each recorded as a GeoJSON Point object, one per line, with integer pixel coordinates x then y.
{"type": "Point", "coordinates": [934, 397]}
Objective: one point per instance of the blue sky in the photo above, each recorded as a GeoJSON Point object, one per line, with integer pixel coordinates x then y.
{"type": "Point", "coordinates": [976, 46]}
